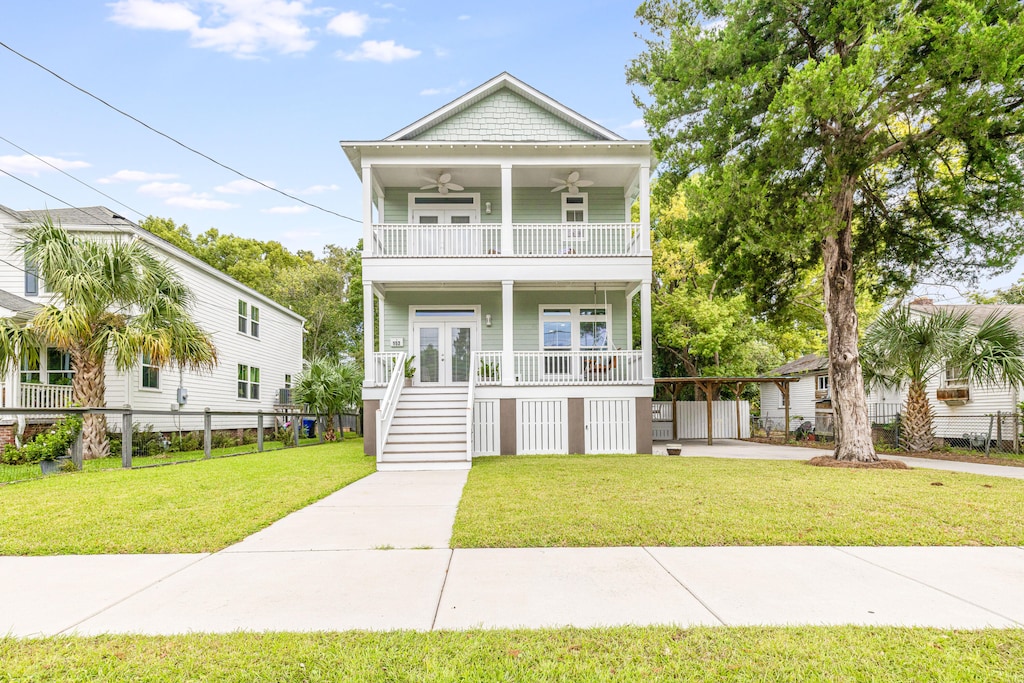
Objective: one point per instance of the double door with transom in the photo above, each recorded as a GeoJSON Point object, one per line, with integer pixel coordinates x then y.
{"type": "Point", "coordinates": [444, 351]}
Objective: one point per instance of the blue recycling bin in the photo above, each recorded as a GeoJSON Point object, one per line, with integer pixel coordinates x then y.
{"type": "Point", "coordinates": [309, 426]}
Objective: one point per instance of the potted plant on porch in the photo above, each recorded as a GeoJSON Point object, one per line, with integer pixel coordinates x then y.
{"type": "Point", "coordinates": [409, 369]}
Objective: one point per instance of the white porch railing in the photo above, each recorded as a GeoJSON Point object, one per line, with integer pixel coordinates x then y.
{"type": "Point", "coordinates": [436, 240]}
{"type": "Point", "coordinates": [488, 368]}
{"type": "Point", "coordinates": [551, 368]}
{"type": "Point", "coordinates": [470, 402]}
{"type": "Point", "coordinates": [577, 239]}
{"type": "Point", "coordinates": [386, 411]}
{"type": "Point", "coordinates": [383, 364]}
{"type": "Point", "coordinates": [484, 240]}
{"type": "Point", "coordinates": [45, 396]}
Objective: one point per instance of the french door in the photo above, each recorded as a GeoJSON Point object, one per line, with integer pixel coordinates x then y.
{"type": "Point", "coordinates": [444, 350]}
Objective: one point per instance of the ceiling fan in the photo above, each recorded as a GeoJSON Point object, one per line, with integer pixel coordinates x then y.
{"type": "Point", "coordinates": [572, 183]}
{"type": "Point", "coordinates": [443, 183]}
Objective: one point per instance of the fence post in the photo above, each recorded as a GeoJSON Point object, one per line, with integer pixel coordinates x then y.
{"type": "Point", "coordinates": [320, 424]}
{"type": "Point", "coordinates": [999, 430]}
{"type": "Point", "coordinates": [296, 426]}
{"type": "Point", "coordinates": [126, 438]}
{"type": "Point", "coordinates": [207, 433]}
{"type": "Point", "coordinates": [259, 431]}
{"type": "Point", "coordinates": [1016, 433]}
{"type": "Point", "coordinates": [76, 451]}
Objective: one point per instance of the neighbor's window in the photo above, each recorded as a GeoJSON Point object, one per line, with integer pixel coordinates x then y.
{"type": "Point", "coordinates": [150, 373]}
{"type": "Point", "coordinates": [955, 376]}
{"type": "Point", "coordinates": [254, 321]}
{"type": "Point", "coordinates": [822, 382]}
{"type": "Point", "coordinates": [31, 279]}
{"type": "Point", "coordinates": [30, 370]}
{"type": "Point", "coordinates": [248, 319]}
{"type": "Point", "coordinates": [58, 367]}
{"type": "Point", "coordinates": [287, 381]}
{"type": "Point", "coordinates": [248, 382]}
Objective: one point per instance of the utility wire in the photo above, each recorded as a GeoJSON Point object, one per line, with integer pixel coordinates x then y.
{"type": "Point", "coordinates": [174, 140]}
{"type": "Point", "coordinates": [77, 180]}
{"type": "Point", "coordinates": [116, 226]}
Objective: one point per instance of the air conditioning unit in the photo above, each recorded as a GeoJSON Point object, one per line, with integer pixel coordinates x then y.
{"type": "Point", "coordinates": [284, 397]}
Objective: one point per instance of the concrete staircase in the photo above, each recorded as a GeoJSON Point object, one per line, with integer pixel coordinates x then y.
{"type": "Point", "coordinates": [428, 431]}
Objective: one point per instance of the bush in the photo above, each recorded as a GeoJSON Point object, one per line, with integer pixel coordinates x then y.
{"type": "Point", "coordinates": [188, 441]}
{"type": "Point", "coordinates": [222, 440]}
{"type": "Point", "coordinates": [51, 444]}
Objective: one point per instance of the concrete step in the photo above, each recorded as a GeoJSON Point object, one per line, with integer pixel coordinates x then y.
{"type": "Point", "coordinates": [423, 466]}
{"type": "Point", "coordinates": [424, 448]}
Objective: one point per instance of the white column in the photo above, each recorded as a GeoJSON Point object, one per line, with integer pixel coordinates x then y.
{"type": "Point", "coordinates": [645, 208]}
{"type": "Point", "coordinates": [367, 211]}
{"type": "Point", "coordinates": [506, 209]}
{"type": "Point", "coordinates": [508, 361]}
{"type": "Point", "coordinates": [629, 319]}
{"type": "Point", "coordinates": [369, 344]}
{"type": "Point", "coordinates": [646, 346]}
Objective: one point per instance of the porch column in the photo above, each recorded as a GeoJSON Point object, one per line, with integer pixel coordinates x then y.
{"type": "Point", "coordinates": [645, 330]}
{"type": "Point", "coordinates": [367, 211]}
{"type": "Point", "coordinates": [506, 209]}
{"type": "Point", "coordinates": [369, 344]}
{"type": "Point", "coordinates": [645, 208]}
{"type": "Point", "coordinates": [508, 361]}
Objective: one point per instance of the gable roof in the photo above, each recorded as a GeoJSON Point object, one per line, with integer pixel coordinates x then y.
{"type": "Point", "coordinates": [519, 130]}
{"type": "Point", "coordinates": [101, 216]}
{"type": "Point", "coordinates": [812, 362]}
{"type": "Point", "coordinates": [976, 313]}
{"type": "Point", "coordinates": [16, 304]}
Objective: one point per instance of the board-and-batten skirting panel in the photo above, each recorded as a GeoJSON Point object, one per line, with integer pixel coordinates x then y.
{"type": "Point", "coordinates": [543, 426]}
{"type": "Point", "coordinates": [486, 427]}
{"type": "Point", "coordinates": [609, 425]}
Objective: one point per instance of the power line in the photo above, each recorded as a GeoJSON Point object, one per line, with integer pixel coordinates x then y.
{"type": "Point", "coordinates": [77, 180]}
{"type": "Point", "coordinates": [174, 140]}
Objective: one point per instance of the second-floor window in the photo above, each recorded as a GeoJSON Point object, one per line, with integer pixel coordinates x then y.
{"type": "Point", "coordinates": [248, 319]}
{"type": "Point", "coordinates": [31, 279]}
{"type": "Point", "coordinates": [574, 208]}
{"type": "Point", "coordinates": [30, 370]}
{"type": "Point", "coordinates": [58, 367]}
{"type": "Point", "coordinates": [150, 373]}
{"type": "Point", "coordinates": [248, 382]}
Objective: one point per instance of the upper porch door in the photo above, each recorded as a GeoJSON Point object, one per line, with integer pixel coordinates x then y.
{"type": "Point", "coordinates": [444, 350]}
{"type": "Point", "coordinates": [445, 239]}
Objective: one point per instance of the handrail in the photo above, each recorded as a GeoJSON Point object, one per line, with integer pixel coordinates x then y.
{"type": "Point", "coordinates": [474, 364]}
{"type": "Point", "coordinates": [386, 411]}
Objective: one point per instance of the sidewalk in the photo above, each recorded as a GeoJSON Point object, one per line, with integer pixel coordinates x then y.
{"type": "Point", "coordinates": [326, 568]}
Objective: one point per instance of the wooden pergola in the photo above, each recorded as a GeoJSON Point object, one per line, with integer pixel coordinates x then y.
{"type": "Point", "coordinates": [708, 386]}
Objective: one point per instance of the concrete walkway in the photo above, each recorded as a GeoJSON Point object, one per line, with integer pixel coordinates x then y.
{"type": "Point", "coordinates": [330, 566]}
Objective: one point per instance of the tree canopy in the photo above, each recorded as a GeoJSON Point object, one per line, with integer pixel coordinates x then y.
{"type": "Point", "coordinates": [878, 139]}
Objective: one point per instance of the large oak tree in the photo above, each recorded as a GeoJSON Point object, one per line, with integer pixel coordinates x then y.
{"type": "Point", "coordinates": [871, 136]}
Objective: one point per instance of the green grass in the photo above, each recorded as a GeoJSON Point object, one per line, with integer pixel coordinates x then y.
{"type": "Point", "coordinates": [833, 654]}
{"type": "Point", "coordinates": [196, 507]}
{"type": "Point", "coordinates": [579, 501]}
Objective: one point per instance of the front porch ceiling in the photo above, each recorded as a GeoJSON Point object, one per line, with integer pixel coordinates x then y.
{"type": "Point", "coordinates": [554, 286]}
{"type": "Point", "coordinates": [490, 176]}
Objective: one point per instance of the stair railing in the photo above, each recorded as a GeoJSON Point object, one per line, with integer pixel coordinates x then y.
{"type": "Point", "coordinates": [474, 364]}
{"type": "Point", "coordinates": [388, 404]}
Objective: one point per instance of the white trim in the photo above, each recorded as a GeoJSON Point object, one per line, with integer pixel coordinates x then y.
{"type": "Point", "coordinates": [475, 321]}
{"type": "Point", "coordinates": [473, 208]}
{"type": "Point", "coordinates": [504, 80]}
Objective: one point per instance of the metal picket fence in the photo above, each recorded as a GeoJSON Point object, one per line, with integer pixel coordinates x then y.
{"type": "Point", "coordinates": [148, 438]}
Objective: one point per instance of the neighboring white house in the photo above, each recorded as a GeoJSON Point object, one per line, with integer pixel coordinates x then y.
{"type": "Point", "coordinates": [808, 397]}
{"type": "Point", "coordinates": [500, 254]}
{"type": "Point", "coordinates": [258, 341]}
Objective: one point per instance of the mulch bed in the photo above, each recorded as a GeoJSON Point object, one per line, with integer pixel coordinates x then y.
{"type": "Point", "coordinates": [829, 461]}
{"type": "Point", "coordinates": [933, 455]}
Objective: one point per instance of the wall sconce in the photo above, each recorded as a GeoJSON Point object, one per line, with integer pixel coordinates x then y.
{"type": "Point", "coordinates": [487, 319]}
{"type": "Point", "coordinates": [487, 207]}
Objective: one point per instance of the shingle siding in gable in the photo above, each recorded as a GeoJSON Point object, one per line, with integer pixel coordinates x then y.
{"type": "Point", "coordinates": [505, 116]}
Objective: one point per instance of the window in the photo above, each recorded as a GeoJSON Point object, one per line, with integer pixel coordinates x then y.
{"type": "Point", "coordinates": [287, 381]}
{"type": "Point", "coordinates": [150, 373]}
{"type": "Point", "coordinates": [574, 208]}
{"type": "Point", "coordinates": [822, 382]}
{"type": "Point", "coordinates": [248, 319]}
{"type": "Point", "coordinates": [30, 369]}
{"type": "Point", "coordinates": [955, 376]}
{"type": "Point", "coordinates": [248, 382]}
{"type": "Point", "coordinates": [31, 279]}
{"type": "Point", "coordinates": [572, 328]}
{"type": "Point", "coordinates": [58, 367]}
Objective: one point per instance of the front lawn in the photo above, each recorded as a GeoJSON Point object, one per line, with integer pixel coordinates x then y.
{"type": "Point", "coordinates": [188, 508]}
{"type": "Point", "coordinates": [831, 654]}
{"type": "Point", "coordinates": [622, 500]}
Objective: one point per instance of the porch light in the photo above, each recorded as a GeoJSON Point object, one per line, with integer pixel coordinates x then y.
{"type": "Point", "coordinates": [487, 316]}
{"type": "Point", "coordinates": [487, 209]}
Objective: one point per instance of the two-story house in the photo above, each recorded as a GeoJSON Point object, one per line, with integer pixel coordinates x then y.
{"type": "Point", "coordinates": [501, 265]}
{"type": "Point", "coordinates": [259, 342]}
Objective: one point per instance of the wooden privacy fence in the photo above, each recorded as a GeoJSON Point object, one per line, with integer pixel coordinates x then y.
{"type": "Point", "coordinates": [692, 420]}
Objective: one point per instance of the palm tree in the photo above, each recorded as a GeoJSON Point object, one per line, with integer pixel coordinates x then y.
{"type": "Point", "coordinates": [907, 347]}
{"type": "Point", "coordinates": [327, 386]}
{"type": "Point", "coordinates": [112, 297]}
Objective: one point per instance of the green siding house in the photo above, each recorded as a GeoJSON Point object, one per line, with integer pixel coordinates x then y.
{"type": "Point", "coordinates": [501, 270]}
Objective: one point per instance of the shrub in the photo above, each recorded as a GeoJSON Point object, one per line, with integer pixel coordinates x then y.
{"type": "Point", "coordinates": [51, 444]}
{"type": "Point", "coordinates": [222, 440]}
{"type": "Point", "coordinates": [188, 441]}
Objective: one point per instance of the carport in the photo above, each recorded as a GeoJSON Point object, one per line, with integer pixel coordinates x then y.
{"type": "Point", "coordinates": [708, 385]}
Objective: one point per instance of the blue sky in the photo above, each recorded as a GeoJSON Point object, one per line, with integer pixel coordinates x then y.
{"type": "Point", "coordinates": [269, 87]}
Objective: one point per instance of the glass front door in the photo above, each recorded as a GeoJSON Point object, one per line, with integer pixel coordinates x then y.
{"type": "Point", "coordinates": [444, 351]}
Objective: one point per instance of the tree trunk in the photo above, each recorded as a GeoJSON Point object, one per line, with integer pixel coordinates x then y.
{"type": "Point", "coordinates": [88, 390]}
{"type": "Point", "coordinates": [849, 402]}
{"type": "Point", "coordinates": [916, 428]}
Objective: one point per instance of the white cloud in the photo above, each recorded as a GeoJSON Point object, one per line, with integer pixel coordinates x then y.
{"type": "Point", "coordinates": [200, 201]}
{"type": "Point", "coordinates": [295, 208]}
{"type": "Point", "coordinates": [635, 124]}
{"type": "Point", "coordinates": [243, 28]}
{"type": "Point", "coordinates": [430, 91]}
{"type": "Point", "coordinates": [242, 186]}
{"type": "Point", "coordinates": [317, 189]}
{"type": "Point", "coordinates": [386, 51]}
{"type": "Point", "coordinates": [349, 24]}
{"type": "Point", "coordinates": [126, 176]}
{"type": "Point", "coordinates": [158, 189]}
{"type": "Point", "coordinates": [464, 17]}
{"type": "Point", "coordinates": [26, 163]}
